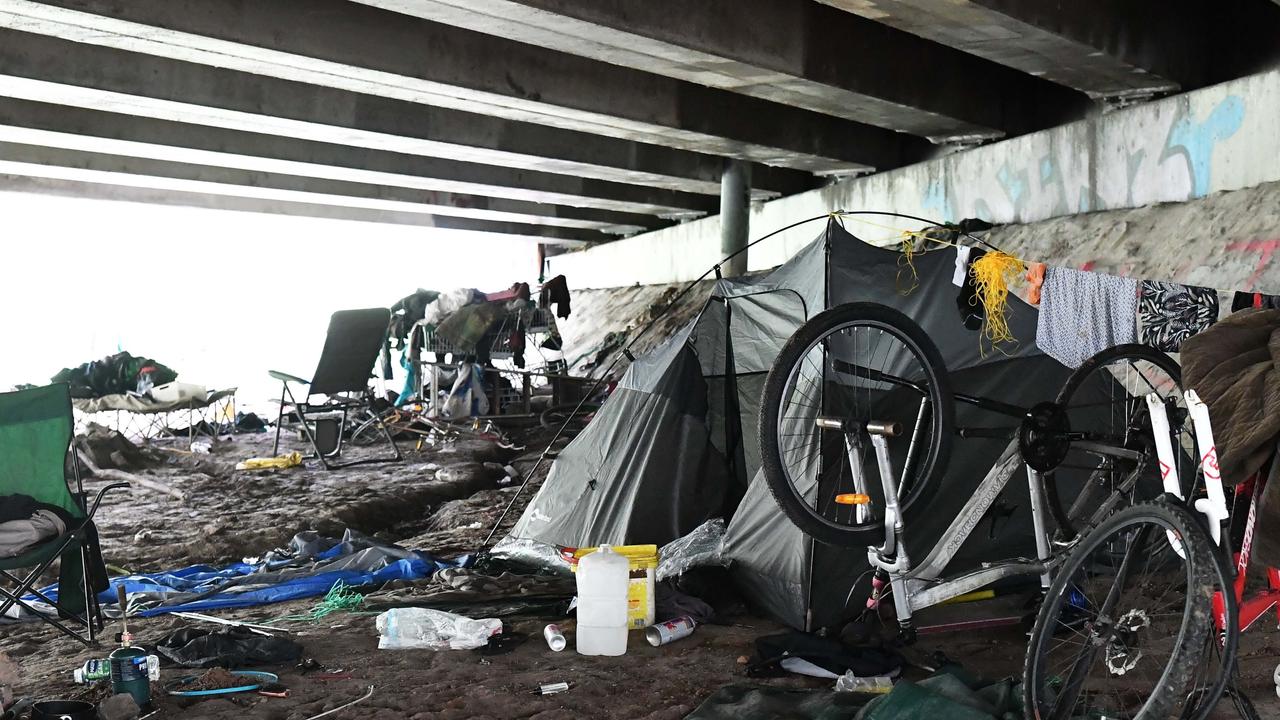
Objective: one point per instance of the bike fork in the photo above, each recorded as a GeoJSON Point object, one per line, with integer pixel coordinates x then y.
{"type": "Point", "coordinates": [890, 560]}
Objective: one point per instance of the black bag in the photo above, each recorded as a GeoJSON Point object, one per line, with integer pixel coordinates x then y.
{"type": "Point", "coordinates": [231, 648]}
{"type": "Point", "coordinates": [827, 653]}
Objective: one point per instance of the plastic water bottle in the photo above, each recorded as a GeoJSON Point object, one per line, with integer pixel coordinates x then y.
{"type": "Point", "coordinates": [878, 684]}
{"type": "Point", "coordinates": [603, 578]}
{"type": "Point", "coordinates": [92, 671]}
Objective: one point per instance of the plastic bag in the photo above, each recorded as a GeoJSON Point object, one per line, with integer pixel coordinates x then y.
{"type": "Point", "coordinates": [702, 546]}
{"type": "Point", "coordinates": [468, 396]}
{"type": "Point", "coordinates": [424, 628]}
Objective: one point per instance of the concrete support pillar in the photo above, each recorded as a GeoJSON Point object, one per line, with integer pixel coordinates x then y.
{"type": "Point", "coordinates": [735, 215]}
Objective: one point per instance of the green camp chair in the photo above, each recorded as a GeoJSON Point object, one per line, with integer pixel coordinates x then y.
{"type": "Point", "coordinates": [35, 436]}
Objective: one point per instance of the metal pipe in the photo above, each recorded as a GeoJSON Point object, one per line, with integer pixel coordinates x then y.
{"type": "Point", "coordinates": [735, 216]}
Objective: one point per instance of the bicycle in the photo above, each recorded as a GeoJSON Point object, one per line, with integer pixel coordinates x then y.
{"type": "Point", "coordinates": [427, 430]}
{"type": "Point", "coordinates": [862, 372]}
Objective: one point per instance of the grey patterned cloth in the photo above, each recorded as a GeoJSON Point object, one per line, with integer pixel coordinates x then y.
{"type": "Point", "coordinates": [1083, 313]}
{"type": "Point", "coordinates": [1171, 313]}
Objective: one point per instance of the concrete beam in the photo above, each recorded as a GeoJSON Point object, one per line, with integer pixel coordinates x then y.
{"type": "Point", "coordinates": [50, 125]}
{"type": "Point", "coordinates": [63, 72]}
{"type": "Point", "coordinates": [1101, 47]}
{"type": "Point", "coordinates": [797, 53]}
{"type": "Point", "coordinates": [104, 189]}
{"type": "Point", "coordinates": [44, 161]}
{"type": "Point", "coordinates": [88, 131]}
{"type": "Point", "coordinates": [346, 45]}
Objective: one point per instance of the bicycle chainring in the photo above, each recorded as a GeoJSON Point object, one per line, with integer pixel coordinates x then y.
{"type": "Point", "coordinates": [1043, 436]}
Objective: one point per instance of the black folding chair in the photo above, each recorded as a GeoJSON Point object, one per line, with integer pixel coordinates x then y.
{"type": "Point", "coordinates": [35, 438]}
{"type": "Point", "coordinates": [351, 347]}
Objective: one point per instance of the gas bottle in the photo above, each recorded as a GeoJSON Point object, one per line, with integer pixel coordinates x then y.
{"type": "Point", "coordinates": [129, 674]}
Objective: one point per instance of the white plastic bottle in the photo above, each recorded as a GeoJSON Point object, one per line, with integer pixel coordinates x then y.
{"type": "Point", "coordinates": [603, 578]}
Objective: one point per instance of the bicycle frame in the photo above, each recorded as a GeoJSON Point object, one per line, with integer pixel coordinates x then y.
{"type": "Point", "coordinates": [916, 587]}
{"type": "Point", "coordinates": [1252, 608]}
{"type": "Point", "coordinates": [1214, 508]}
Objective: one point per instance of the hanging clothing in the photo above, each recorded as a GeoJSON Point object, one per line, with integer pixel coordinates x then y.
{"type": "Point", "coordinates": [1171, 313]}
{"type": "Point", "coordinates": [962, 265]}
{"type": "Point", "coordinates": [1035, 282]}
{"type": "Point", "coordinates": [1083, 313]}
{"type": "Point", "coordinates": [556, 291]}
{"type": "Point", "coordinates": [407, 311]}
{"type": "Point", "coordinates": [972, 312]}
{"type": "Point", "coordinates": [1246, 301]}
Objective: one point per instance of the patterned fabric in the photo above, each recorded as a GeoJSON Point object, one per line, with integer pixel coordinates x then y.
{"type": "Point", "coordinates": [1083, 313]}
{"type": "Point", "coordinates": [1171, 313]}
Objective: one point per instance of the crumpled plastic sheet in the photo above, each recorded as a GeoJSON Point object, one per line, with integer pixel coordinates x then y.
{"type": "Point", "coordinates": [703, 545]}
{"type": "Point", "coordinates": [424, 628]}
{"type": "Point", "coordinates": [532, 554]}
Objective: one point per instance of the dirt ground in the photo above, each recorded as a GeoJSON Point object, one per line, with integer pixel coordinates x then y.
{"type": "Point", "coordinates": [442, 501]}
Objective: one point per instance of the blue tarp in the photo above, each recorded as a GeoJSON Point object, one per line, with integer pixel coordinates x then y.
{"type": "Point", "coordinates": [204, 583]}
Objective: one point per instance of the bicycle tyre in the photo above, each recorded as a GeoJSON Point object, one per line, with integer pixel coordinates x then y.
{"type": "Point", "coordinates": [369, 431]}
{"type": "Point", "coordinates": [1193, 632]}
{"type": "Point", "coordinates": [555, 417]}
{"type": "Point", "coordinates": [1068, 525]}
{"type": "Point", "coordinates": [797, 346]}
{"type": "Point", "coordinates": [1223, 566]}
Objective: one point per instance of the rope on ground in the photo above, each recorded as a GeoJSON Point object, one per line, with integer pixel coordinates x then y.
{"type": "Point", "coordinates": [340, 598]}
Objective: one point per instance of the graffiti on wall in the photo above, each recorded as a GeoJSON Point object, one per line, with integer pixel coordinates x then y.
{"type": "Point", "coordinates": [1159, 156]}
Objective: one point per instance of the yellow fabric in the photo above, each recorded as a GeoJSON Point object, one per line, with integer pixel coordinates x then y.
{"type": "Point", "coordinates": [293, 459]}
{"type": "Point", "coordinates": [992, 274]}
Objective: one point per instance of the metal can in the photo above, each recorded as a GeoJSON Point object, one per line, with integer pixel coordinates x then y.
{"type": "Point", "coordinates": [555, 638]}
{"type": "Point", "coordinates": [670, 631]}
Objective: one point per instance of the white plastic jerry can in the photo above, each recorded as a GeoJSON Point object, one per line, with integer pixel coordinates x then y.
{"type": "Point", "coordinates": [603, 579]}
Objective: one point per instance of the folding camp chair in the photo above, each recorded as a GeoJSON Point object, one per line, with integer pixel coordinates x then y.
{"type": "Point", "coordinates": [342, 376]}
{"type": "Point", "coordinates": [35, 438]}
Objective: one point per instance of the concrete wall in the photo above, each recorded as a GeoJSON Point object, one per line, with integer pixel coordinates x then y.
{"type": "Point", "coordinates": [1223, 137]}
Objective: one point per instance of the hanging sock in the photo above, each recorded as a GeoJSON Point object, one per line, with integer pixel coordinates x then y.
{"type": "Point", "coordinates": [1035, 282]}
{"type": "Point", "coordinates": [1083, 313]}
{"type": "Point", "coordinates": [1170, 313]}
{"type": "Point", "coordinates": [972, 314]}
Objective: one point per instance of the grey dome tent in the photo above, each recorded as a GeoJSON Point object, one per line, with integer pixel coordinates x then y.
{"type": "Point", "coordinates": [675, 444]}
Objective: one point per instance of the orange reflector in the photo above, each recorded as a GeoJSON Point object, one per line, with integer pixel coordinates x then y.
{"type": "Point", "coordinates": [853, 499]}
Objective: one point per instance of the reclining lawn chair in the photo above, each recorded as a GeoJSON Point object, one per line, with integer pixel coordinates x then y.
{"type": "Point", "coordinates": [35, 436]}
{"type": "Point", "coordinates": [342, 376]}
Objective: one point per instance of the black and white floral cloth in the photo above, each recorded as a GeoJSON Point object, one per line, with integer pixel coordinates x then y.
{"type": "Point", "coordinates": [1170, 313]}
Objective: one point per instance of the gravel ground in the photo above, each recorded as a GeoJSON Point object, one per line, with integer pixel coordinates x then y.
{"type": "Point", "coordinates": [442, 502]}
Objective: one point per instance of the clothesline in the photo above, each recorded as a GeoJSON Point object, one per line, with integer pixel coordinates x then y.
{"type": "Point", "coordinates": [1081, 312]}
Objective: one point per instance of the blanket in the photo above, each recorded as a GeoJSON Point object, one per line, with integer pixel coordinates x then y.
{"type": "Point", "coordinates": [1235, 368]}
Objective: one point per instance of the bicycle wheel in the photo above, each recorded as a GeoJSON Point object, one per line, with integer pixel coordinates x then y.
{"type": "Point", "coordinates": [570, 416]}
{"type": "Point", "coordinates": [857, 362]}
{"type": "Point", "coordinates": [1217, 668]}
{"type": "Point", "coordinates": [367, 430]}
{"type": "Point", "coordinates": [1106, 397]}
{"type": "Point", "coordinates": [1123, 642]}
